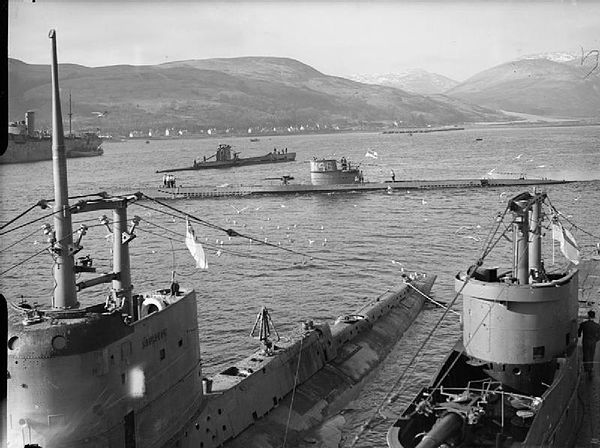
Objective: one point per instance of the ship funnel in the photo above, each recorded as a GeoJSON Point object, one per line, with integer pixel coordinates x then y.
{"type": "Point", "coordinates": [65, 295]}
{"type": "Point", "coordinates": [30, 123]}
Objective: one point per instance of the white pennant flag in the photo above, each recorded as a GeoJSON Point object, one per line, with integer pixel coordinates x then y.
{"type": "Point", "coordinates": [372, 154]}
{"type": "Point", "coordinates": [194, 246]}
{"type": "Point", "coordinates": [568, 245]}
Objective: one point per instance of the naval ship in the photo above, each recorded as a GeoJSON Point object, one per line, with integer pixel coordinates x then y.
{"type": "Point", "coordinates": [225, 157]}
{"type": "Point", "coordinates": [126, 370]}
{"type": "Point", "coordinates": [26, 144]}
{"type": "Point", "coordinates": [512, 380]}
{"type": "Point", "coordinates": [340, 176]}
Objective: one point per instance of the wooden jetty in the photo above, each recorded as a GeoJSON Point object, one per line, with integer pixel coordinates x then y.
{"type": "Point", "coordinates": [422, 130]}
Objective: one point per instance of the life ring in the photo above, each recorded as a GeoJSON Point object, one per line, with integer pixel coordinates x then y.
{"type": "Point", "coordinates": [151, 305]}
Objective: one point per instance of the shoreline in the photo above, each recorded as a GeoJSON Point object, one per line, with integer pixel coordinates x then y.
{"type": "Point", "coordinates": [463, 127]}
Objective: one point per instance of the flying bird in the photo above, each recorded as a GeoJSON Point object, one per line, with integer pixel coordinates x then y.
{"type": "Point", "coordinates": [101, 114]}
{"type": "Point", "coordinates": [461, 228]}
{"type": "Point", "coordinates": [518, 157]}
{"type": "Point", "coordinates": [238, 211]}
{"type": "Point", "coordinates": [472, 238]}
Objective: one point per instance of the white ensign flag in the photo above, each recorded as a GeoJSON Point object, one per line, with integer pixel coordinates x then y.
{"type": "Point", "coordinates": [568, 245]}
{"type": "Point", "coordinates": [194, 246]}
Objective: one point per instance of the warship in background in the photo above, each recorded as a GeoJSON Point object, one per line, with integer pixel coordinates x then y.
{"type": "Point", "coordinates": [512, 380]}
{"type": "Point", "coordinates": [26, 144]}
{"type": "Point", "coordinates": [126, 371]}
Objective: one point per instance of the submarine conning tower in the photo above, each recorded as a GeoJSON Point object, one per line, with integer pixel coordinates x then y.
{"type": "Point", "coordinates": [518, 323]}
{"type": "Point", "coordinates": [327, 172]}
{"type": "Point", "coordinates": [122, 372]}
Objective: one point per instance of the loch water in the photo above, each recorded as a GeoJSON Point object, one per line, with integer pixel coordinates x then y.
{"type": "Point", "coordinates": [345, 248]}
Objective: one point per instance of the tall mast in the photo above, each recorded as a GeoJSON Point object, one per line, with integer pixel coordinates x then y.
{"type": "Point", "coordinates": [65, 295]}
{"type": "Point", "coordinates": [520, 208]}
{"type": "Point", "coordinates": [535, 228]}
{"type": "Point", "coordinates": [70, 114]}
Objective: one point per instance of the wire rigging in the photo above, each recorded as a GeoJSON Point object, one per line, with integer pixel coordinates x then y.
{"type": "Point", "coordinates": [41, 203]}
{"type": "Point", "coordinates": [20, 240]}
{"type": "Point", "coordinates": [30, 222]}
{"type": "Point", "coordinates": [575, 226]}
{"type": "Point", "coordinates": [391, 397]}
{"type": "Point", "coordinates": [234, 233]}
{"type": "Point", "coordinates": [25, 260]}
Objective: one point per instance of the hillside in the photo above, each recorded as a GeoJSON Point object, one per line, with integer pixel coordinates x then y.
{"type": "Point", "coordinates": [535, 86]}
{"type": "Point", "coordinates": [415, 81]}
{"type": "Point", "coordinates": [236, 94]}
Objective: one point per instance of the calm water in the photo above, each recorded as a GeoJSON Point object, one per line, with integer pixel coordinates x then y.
{"type": "Point", "coordinates": [358, 234]}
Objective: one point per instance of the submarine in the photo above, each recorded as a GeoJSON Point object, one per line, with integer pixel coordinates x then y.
{"type": "Point", "coordinates": [329, 176]}
{"type": "Point", "coordinates": [512, 380]}
{"type": "Point", "coordinates": [126, 371]}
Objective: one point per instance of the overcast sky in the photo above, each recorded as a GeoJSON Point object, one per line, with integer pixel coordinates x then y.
{"type": "Point", "coordinates": [455, 39]}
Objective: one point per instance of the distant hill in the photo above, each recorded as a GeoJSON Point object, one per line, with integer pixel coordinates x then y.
{"type": "Point", "coordinates": [554, 86]}
{"type": "Point", "coordinates": [236, 94]}
{"type": "Point", "coordinates": [415, 81]}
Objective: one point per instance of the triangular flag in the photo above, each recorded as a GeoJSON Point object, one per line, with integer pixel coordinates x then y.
{"type": "Point", "coordinates": [371, 153]}
{"type": "Point", "coordinates": [568, 245]}
{"type": "Point", "coordinates": [194, 246]}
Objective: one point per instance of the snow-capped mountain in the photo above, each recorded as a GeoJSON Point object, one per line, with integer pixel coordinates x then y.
{"type": "Point", "coordinates": [415, 81]}
{"type": "Point", "coordinates": [557, 56]}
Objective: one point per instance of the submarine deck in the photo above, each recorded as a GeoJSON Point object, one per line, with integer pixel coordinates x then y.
{"type": "Point", "coordinates": [589, 388]}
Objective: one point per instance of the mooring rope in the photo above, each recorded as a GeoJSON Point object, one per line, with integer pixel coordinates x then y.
{"type": "Point", "coordinates": [435, 302]}
{"type": "Point", "coordinates": [287, 424]}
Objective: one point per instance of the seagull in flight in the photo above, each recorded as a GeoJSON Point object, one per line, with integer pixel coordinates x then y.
{"type": "Point", "coordinates": [461, 228]}
{"type": "Point", "coordinates": [518, 157]}
{"type": "Point", "coordinates": [472, 238]}
{"type": "Point", "coordinates": [101, 114]}
{"type": "Point", "coordinates": [238, 211]}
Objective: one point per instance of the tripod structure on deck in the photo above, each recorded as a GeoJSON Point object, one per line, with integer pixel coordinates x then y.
{"type": "Point", "coordinates": [264, 325]}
